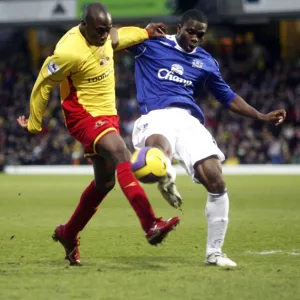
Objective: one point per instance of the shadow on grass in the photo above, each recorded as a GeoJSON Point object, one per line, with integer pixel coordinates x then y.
{"type": "Point", "coordinates": [147, 262]}
{"type": "Point", "coordinates": [102, 264]}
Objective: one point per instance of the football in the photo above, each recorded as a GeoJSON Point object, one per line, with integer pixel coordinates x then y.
{"type": "Point", "coordinates": [149, 164]}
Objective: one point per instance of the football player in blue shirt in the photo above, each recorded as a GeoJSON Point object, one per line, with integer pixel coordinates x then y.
{"type": "Point", "coordinates": [170, 72]}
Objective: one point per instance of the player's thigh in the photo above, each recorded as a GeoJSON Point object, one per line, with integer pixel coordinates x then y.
{"type": "Point", "coordinates": [161, 142]}
{"type": "Point", "coordinates": [104, 172]}
{"type": "Point", "coordinates": [113, 146]}
{"type": "Point", "coordinates": [91, 130]}
{"type": "Point", "coordinates": [154, 129]}
{"type": "Point", "coordinates": [195, 144]}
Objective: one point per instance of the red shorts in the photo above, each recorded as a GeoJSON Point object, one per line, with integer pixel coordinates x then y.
{"type": "Point", "coordinates": [89, 130]}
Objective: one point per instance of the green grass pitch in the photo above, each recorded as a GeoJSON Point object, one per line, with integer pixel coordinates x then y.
{"type": "Point", "coordinates": [119, 263]}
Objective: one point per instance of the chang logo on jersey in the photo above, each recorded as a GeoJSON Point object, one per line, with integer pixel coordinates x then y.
{"type": "Point", "coordinates": [177, 69]}
{"type": "Point", "coordinates": [99, 78]}
{"type": "Point", "coordinates": [166, 74]}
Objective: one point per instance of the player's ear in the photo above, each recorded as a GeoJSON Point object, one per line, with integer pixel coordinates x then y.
{"type": "Point", "coordinates": [83, 23]}
{"type": "Point", "coordinates": [179, 28]}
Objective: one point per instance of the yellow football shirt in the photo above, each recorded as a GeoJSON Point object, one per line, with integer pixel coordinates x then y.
{"type": "Point", "coordinates": [85, 74]}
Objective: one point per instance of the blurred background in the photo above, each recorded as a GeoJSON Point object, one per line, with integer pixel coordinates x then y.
{"type": "Point", "coordinates": [256, 43]}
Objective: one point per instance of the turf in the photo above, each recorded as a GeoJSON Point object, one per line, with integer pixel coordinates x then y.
{"type": "Point", "coordinates": [119, 264]}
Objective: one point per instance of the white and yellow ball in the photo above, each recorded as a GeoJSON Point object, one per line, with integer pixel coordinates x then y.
{"type": "Point", "coordinates": [149, 164]}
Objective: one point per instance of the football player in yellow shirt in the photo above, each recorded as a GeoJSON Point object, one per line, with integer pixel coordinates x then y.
{"type": "Point", "coordinates": [83, 65]}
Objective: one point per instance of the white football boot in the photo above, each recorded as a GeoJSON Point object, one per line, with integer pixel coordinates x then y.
{"type": "Point", "coordinates": [219, 259]}
{"type": "Point", "coordinates": [168, 189]}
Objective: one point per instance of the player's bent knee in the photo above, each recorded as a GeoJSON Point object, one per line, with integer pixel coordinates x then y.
{"type": "Point", "coordinates": [217, 186]}
{"type": "Point", "coordinates": [121, 154]}
{"type": "Point", "coordinates": [105, 186]}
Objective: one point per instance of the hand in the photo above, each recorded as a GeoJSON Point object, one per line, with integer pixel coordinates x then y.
{"type": "Point", "coordinates": [156, 30]}
{"type": "Point", "coordinates": [23, 122]}
{"type": "Point", "coordinates": [275, 117]}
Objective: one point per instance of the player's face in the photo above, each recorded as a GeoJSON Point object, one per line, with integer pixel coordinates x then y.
{"type": "Point", "coordinates": [97, 30]}
{"type": "Point", "coordinates": [191, 34]}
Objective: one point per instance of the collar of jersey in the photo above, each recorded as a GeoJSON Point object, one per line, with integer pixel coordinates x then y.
{"type": "Point", "coordinates": [173, 38]}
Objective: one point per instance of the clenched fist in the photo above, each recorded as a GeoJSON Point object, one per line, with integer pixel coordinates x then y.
{"type": "Point", "coordinates": [156, 30]}
{"type": "Point", "coordinates": [275, 117]}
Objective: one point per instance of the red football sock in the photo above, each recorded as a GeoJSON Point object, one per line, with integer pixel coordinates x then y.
{"type": "Point", "coordinates": [87, 207]}
{"type": "Point", "coordinates": [136, 195]}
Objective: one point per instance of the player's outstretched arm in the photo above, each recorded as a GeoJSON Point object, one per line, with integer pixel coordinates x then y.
{"type": "Point", "coordinates": [126, 37]}
{"type": "Point", "coordinates": [38, 102]}
{"type": "Point", "coordinates": [241, 107]}
{"type": "Point", "coordinates": [223, 93]}
{"type": "Point", "coordinates": [53, 71]}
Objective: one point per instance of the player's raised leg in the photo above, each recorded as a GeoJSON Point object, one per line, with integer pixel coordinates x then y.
{"type": "Point", "coordinates": [155, 229]}
{"type": "Point", "coordinates": [167, 185]}
{"type": "Point", "coordinates": [67, 234]}
{"type": "Point", "coordinates": [209, 173]}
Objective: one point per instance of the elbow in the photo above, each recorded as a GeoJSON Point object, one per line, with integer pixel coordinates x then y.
{"type": "Point", "coordinates": [114, 36]}
{"type": "Point", "coordinates": [233, 103]}
{"type": "Point", "coordinates": [115, 46]}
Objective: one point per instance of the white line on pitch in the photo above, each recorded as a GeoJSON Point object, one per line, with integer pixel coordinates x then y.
{"type": "Point", "coordinates": [270, 252]}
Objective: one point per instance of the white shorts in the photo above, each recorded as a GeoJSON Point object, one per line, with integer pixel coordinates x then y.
{"type": "Point", "coordinates": [189, 139]}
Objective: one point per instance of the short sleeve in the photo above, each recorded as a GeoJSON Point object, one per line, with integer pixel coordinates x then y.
{"type": "Point", "coordinates": [218, 87]}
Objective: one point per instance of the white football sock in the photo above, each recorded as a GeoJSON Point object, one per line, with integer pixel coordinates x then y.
{"type": "Point", "coordinates": [170, 169]}
{"type": "Point", "coordinates": [217, 209]}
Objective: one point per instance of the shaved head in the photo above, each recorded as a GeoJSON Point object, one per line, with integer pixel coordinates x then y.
{"type": "Point", "coordinates": [96, 24]}
{"type": "Point", "coordinates": [94, 11]}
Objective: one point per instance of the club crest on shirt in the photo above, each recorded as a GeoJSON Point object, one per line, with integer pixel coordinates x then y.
{"type": "Point", "coordinates": [104, 60]}
{"type": "Point", "coordinates": [178, 69]}
{"type": "Point", "coordinates": [197, 63]}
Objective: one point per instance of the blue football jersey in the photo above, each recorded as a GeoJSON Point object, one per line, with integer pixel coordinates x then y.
{"type": "Point", "coordinates": [167, 76]}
